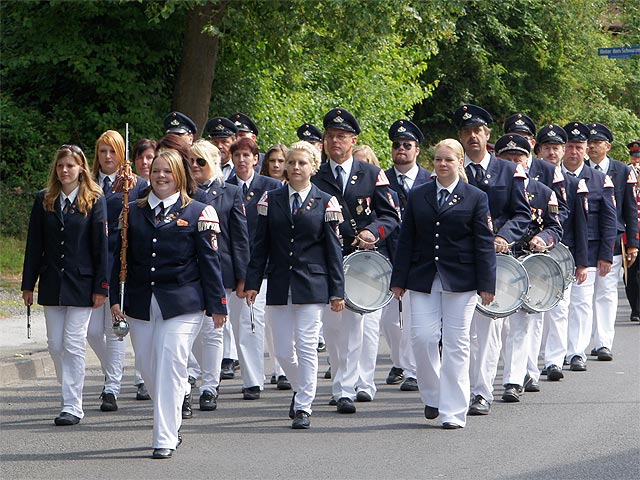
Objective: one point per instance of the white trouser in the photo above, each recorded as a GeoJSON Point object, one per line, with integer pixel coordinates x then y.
{"type": "Point", "coordinates": [399, 341]}
{"type": "Point", "coordinates": [534, 345]}
{"type": "Point", "coordinates": [229, 350]}
{"type": "Point", "coordinates": [296, 329]}
{"type": "Point", "coordinates": [605, 305]}
{"type": "Point", "coordinates": [163, 346]}
{"type": "Point", "coordinates": [518, 346]}
{"type": "Point", "coordinates": [108, 348]}
{"type": "Point", "coordinates": [557, 323]}
{"type": "Point", "coordinates": [369, 353]}
{"type": "Point", "coordinates": [343, 332]}
{"type": "Point", "coordinates": [443, 383]}
{"type": "Point", "coordinates": [581, 315]}
{"type": "Point", "coordinates": [250, 344]}
{"type": "Point", "coordinates": [275, 369]}
{"type": "Point", "coordinates": [66, 339]}
{"type": "Point", "coordinates": [486, 343]}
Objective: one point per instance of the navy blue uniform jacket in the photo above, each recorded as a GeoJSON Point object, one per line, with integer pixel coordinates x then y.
{"type": "Point", "coordinates": [575, 232]}
{"type": "Point", "coordinates": [303, 251]}
{"type": "Point", "coordinates": [455, 242]}
{"type": "Point", "coordinates": [423, 177]}
{"type": "Point", "coordinates": [173, 260]}
{"type": "Point", "coordinates": [68, 254]}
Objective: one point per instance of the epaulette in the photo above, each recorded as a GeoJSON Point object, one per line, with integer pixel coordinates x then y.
{"type": "Point", "coordinates": [607, 182]}
{"type": "Point", "coordinates": [557, 175]}
{"type": "Point", "coordinates": [553, 203]}
{"type": "Point", "coordinates": [582, 186]}
{"type": "Point", "coordinates": [382, 180]}
{"type": "Point", "coordinates": [632, 177]}
{"type": "Point", "coordinates": [208, 220]}
{"type": "Point", "coordinates": [263, 204]}
{"type": "Point", "coordinates": [519, 173]}
{"type": "Point", "coordinates": [333, 212]}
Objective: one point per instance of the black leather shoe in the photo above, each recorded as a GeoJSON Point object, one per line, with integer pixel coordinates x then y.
{"type": "Point", "coordinates": [345, 405]}
{"type": "Point", "coordinates": [187, 412]}
{"type": "Point", "coordinates": [142, 393]}
{"type": "Point", "coordinates": [578, 364]}
{"type": "Point", "coordinates": [363, 396]}
{"type": "Point", "coordinates": [479, 406]}
{"type": "Point", "coordinates": [322, 347]}
{"type": "Point", "coordinates": [274, 380]}
{"type": "Point", "coordinates": [236, 365]}
{"type": "Point", "coordinates": [543, 371]}
{"type": "Point", "coordinates": [226, 372]}
{"type": "Point", "coordinates": [109, 403]}
{"type": "Point", "coordinates": [430, 412]}
{"type": "Point", "coordinates": [527, 381]}
{"type": "Point", "coordinates": [410, 384]}
{"type": "Point", "coordinates": [327, 374]}
{"type": "Point", "coordinates": [292, 413]}
{"type": "Point", "coordinates": [533, 387]}
{"type": "Point", "coordinates": [65, 419]}
{"type": "Point", "coordinates": [251, 393]}
{"type": "Point", "coordinates": [395, 376]}
{"type": "Point", "coordinates": [554, 373]}
{"type": "Point", "coordinates": [604, 354]}
{"type": "Point", "coordinates": [192, 381]}
{"type": "Point", "coordinates": [283, 383]}
{"type": "Point", "coordinates": [333, 402]}
{"type": "Point", "coordinates": [512, 393]}
{"type": "Point", "coordinates": [594, 352]}
{"type": "Point", "coordinates": [450, 426]}
{"type": "Point", "coordinates": [208, 401]}
{"type": "Point", "coordinates": [634, 317]}
{"type": "Point", "coordinates": [160, 453]}
{"type": "Point", "coordinates": [179, 440]}
{"type": "Point", "coordinates": [301, 420]}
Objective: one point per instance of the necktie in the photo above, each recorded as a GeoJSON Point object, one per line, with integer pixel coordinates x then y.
{"type": "Point", "coordinates": [159, 212]}
{"type": "Point", "coordinates": [403, 182]}
{"type": "Point", "coordinates": [443, 195]}
{"type": "Point", "coordinates": [245, 189]}
{"type": "Point", "coordinates": [339, 181]}
{"type": "Point", "coordinates": [598, 167]}
{"type": "Point", "coordinates": [106, 185]}
{"type": "Point", "coordinates": [479, 176]}
{"type": "Point", "coordinates": [67, 207]}
{"type": "Point", "coordinates": [571, 173]}
{"type": "Point", "coordinates": [295, 207]}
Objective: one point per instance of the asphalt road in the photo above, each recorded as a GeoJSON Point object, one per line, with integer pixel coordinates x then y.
{"type": "Point", "coordinates": [584, 427]}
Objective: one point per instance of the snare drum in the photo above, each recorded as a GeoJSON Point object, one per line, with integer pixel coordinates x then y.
{"type": "Point", "coordinates": [561, 254]}
{"type": "Point", "coordinates": [512, 285]}
{"type": "Point", "coordinates": [367, 279]}
{"type": "Point", "coordinates": [546, 282]}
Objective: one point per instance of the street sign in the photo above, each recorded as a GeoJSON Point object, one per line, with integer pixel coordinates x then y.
{"type": "Point", "coordinates": [619, 52]}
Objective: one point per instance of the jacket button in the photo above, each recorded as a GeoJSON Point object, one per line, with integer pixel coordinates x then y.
{"type": "Point", "coordinates": [154, 240]}
{"type": "Point", "coordinates": [62, 256]}
{"type": "Point", "coordinates": [62, 269]}
{"type": "Point", "coordinates": [153, 254]}
{"type": "Point", "coordinates": [62, 229]}
{"type": "Point", "coordinates": [291, 240]}
{"type": "Point", "coordinates": [437, 224]}
{"type": "Point", "coordinates": [153, 269]}
{"type": "Point", "coordinates": [436, 259]}
{"type": "Point", "coordinates": [62, 242]}
{"type": "Point", "coordinates": [437, 247]}
{"type": "Point", "coordinates": [153, 283]}
{"type": "Point", "coordinates": [290, 267]}
{"type": "Point", "coordinates": [291, 254]}
{"type": "Point", "coordinates": [437, 235]}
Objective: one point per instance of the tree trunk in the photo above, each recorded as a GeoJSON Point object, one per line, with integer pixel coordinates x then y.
{"type": "Point", "coordinates": [192, 93]}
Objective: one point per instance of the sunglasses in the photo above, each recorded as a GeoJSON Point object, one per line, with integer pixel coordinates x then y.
{"type": "Point", "coordinates": [200, 161]}
{"type": "Point", "coordinates": [73, 148]}
{"type": "Point", "coordinates": [406, 145]}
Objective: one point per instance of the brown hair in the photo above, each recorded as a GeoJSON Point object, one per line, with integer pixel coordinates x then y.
{"type": "Point", "coordinates": [264, 170]}
{"type": "Point", "coordinates": [171, 141]}
{"type": "Point", "coordinates": [244, 144]}
{"type": "Point", "coordinates": [176, 164]}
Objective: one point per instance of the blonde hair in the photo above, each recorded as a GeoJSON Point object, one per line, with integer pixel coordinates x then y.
{"type": "Point", "coordinates": [456, 147]}
{"type": "Point", "coordinates": [205, 149]}
{"type": "Point", "coordinates": [174, 159]}
{"type": "Point", "coordinates": [303, 146]}
{"type": "Point", "coordinates": [115, 141]}
{"type": "Point", "coordinates": [369, 154]}
{"type": "Point", "coordinates": [88, 190]}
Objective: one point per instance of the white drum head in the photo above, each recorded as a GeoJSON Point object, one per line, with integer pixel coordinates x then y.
{"type": "Point", "coordinates": [561, 254]}
{"type": "Point", "coordinates": [546, 282]}
{"type": "Point", "coordinates": [367, 276]}
{"type": "Point", "coordinates": [512, 283]}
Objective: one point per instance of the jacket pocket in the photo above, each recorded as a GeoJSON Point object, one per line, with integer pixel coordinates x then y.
{"type": "Point", "coordinates": [317, 269]}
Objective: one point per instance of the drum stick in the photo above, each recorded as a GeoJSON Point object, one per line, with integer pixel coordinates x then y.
{"type": "Point", "coordinates": [253, 323]}
{"type": "Point", "coordinates": [401, 321]}
{"type": "Point", "coordinates": [28, 321]}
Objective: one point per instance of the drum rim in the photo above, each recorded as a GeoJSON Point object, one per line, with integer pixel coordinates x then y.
{"type": "Point", "coordinates": [349, 303]}
{"type": "Point", "coordinates": [569, 276]}
{"type": "Point", "coordinates": [525, 304]}
{"type": "Point", "coordinates": [505, 313]}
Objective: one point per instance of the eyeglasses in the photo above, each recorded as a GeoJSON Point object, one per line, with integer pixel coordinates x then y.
{"type": "Point", "coordinates": [200, 161]}
{"type": "Point", "coordinates": [73, 148]}
{"type": "Point", "coordinates": [405, 145]}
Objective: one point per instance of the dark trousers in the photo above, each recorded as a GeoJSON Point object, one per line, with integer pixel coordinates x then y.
{"type": "Point", "coordinates": [633, 288]}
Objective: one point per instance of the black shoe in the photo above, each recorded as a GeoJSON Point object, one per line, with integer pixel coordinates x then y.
{"type": "Point", "coordinates": [192, 381]}
{"type": "Point", "coordinates": [578, 364]}
{"type": "Point", "coordinates": [533, 387]}
{"type": "Point", "coordinates": [363, 396]}
{"type": "Point", "coordinates": [594, 352]}
{"type": "Point", "coordinates": [410, 384]}
{"type": "Point", "coordinates": [208, 401]}
{"type": "Point", "coordinates": [301, 420]}
{"type": "Point", "coordinates": [554, 373]}
{"type": "Point", "coordinates": [479, 406]}
{"type": "Point", "coordinates": [634, 317]}
{"type": "Point", "coordinates": [604, 354]}
{"type": "Point", "coordinates": [142, 393]}
{"type": "Point", "coordinates": [274, 380]}
{"type": "Point", "coordinates": [322, 347]}
{"type": "Point", "coordinates": [345, 405]}
{"type": "Point", "coordinates": [527, 381]}
{"type": "Point", "coordinates": [226, 372]}
{"type": "Point", "coordinates": [283, 383]}
{"type": "Point", "coordinates": [395, 376]}
{"type": "Point", "coordinates": [430, 412]}
{"type": "Point", "coordinates": [251, 393]}
{"type": "Point", "coordinates": [187, 412]}
{"type": "Point", "coordinates": [179, 440]}
{"type": "Point", "coordinates": [543, 371]}
{"type": "Point", "coordinates": [292, 413]}
{"type": "Point", "coordinates": [333, 402]}
{"type": "Point", "coordinates": [160, 453]}
{"type": "Point", "coordinates": [512, 393]}
{"type": "Point", "coordinates": [109, 403]}
{"type": "Point", "coordinates": [65, 419]}
{"type": "Point", "coordinates": [450, 426]}
{"type": "Point", "coordinates": [236, 365]}
{"type": "Point", "coordinates": [327, 374]}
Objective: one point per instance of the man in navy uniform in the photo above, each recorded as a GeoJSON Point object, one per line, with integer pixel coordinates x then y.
{"type": "Point", "coordinates": [180, 124]}
{"type": "Point", "coordinates": [222, 133]}
{"type": "Point", "coordinates": [602, 233]}
{"type": "Point", "coordinates": [370, 216]}
{"type": "Point", "coordinates": [310, 133]}
{"type": "Point", "coordinates": [405, 174]}
{"type": "Point", "coordinates": [633, 273]}
{"type": "Point", "coordinates": [605, 302]}
{"type": "Point", "coordinates": [503, 182]}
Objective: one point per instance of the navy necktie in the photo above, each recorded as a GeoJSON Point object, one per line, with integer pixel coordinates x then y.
{"type": "Point", "coordinates": [479, 176]}
{"type": "Point", "coordinates": [598, 167]}
{"type": "Point", "coordinates": [160, 212]}
{"type": "Point", "coordinates": [443, 195]}
{"type": "Point", "coordinates": [403, 182]}
{"type": "Point", "coordinates": [339, 171]}
{"type": "Point", "coordinates": [67, 207]}
{"type": "Point", "coordinates": [295, 207]}
{"type": "Point", "coordinates": [106, 185]}
{"type": "Point", "coordinates": [245, 189]}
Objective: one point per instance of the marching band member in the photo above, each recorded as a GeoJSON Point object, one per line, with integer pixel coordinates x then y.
{"type": "Point", "coordinates": [632, 286]}
{"type": "Point", "coordinates": [544, 232]}
{"type": "Point", "coordinates": [67, 249]}
{"type": "Point", "coordinates": [248, 329]}
{"type": "Point", "coordinates": [143, 152]}
{"type": "Point", "coordinates": [233, 247]}
{"type": "Point", "coordinates": [623, 177]}
{"type": "Point", "coordinates": [602, 232]}
{"type": "Point", "coordinates": [110, 350]}
{"type": "Point", "coordinates": [503, 182]}
{"type": "Point", "coordinates": [297, 236]}
{"type": "Point", "coordinates": [179, 124]}
{"type": "Point", "coordinates": [367, 206]}
{"type": "Point", "coordinates": [173, 281]}
{"type": "Point", "coordinates": [222, 133]}
{"type": "Point", "coordinates": [308, 132]}
{"type": "Point", "coordinates": [445, 256]}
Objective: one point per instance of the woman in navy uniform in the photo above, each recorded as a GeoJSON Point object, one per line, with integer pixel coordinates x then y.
{"type": "Point", "coordinates": [108, 158]}
{"type": "Point", "coordinates": [445, 255]}
{"type": "Point", "coordinates": [67, 249]}
{"type": "Point", "coordinates": [233, 247]}
{"type": "Point", "coordinates": [173, 280]}
{"type": "Point", "coordinates": [297, 236]}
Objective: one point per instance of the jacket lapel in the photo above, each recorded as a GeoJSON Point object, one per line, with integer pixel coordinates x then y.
{"type": "Point", "coordinates": [455, 197]}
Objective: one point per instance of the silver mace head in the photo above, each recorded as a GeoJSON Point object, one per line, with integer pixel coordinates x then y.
{"type": "Point", "coordinates": [120, 328]}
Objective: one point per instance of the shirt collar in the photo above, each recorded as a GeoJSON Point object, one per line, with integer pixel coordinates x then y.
{"type": "Point", "coordinates": [346, 166]}
{"type": "Point", "coordinates": [484, 162]}
{"type": "Point", "coordinates": [450, 188]}
{"type": "Point", "coordinates": [101, 176]}
{"type": "Point", "coordinates": [304, 193]}
{"type": "Point", "coordinates": [569, 172]}
{"type": "Point", "coordinates": [248, 182]}
{"type": "Point", "coordinates": [411, 174]}
{"type": "Point", "coordinates": [604, 164]}
{"type": "Point", "coordinates": [167, 202]}
{"type": "Point", "coordinates": [72, 196]}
